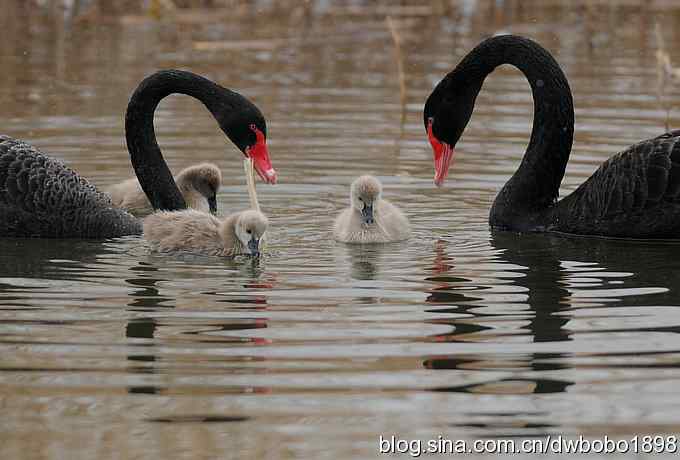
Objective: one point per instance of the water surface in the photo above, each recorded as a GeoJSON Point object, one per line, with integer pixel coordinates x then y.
{"type": "Point", "coordinates": [110, 351]}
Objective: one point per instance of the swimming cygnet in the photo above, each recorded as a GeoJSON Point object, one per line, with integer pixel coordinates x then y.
{"type": "Point", "coordinates": [198, 184]}
{"type": "Point", "coordinates": [200, 232]}
{"type": "Point", "coordinates": [370, 219]}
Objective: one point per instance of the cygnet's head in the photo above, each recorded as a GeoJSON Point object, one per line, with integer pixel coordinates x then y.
{"type": "Point", "coordinates": [249, 227]}
{"type": "Point", "coordinates": [204, 178]}
{"type": "Point", "coordinates": [364, 193]}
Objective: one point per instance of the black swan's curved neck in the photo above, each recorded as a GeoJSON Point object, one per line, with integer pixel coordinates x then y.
{"type": "Point", "coordinates": [150, 167]}
{"type": "Point", "coordinates": [534, 187]}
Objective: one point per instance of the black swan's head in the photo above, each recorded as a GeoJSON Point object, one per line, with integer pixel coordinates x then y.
{"type": "Point", "coordinates": [239, 119]}
{"type": "Point", "coordinates": [245, 126]}
{"type": "Point", "coordinates": [446, 114]}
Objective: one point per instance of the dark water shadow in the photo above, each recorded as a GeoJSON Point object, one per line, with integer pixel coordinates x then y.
{"type": "Point", "coordinates": [149, 297]}
{"type": "Point", "coordinates": [200, 419]}
{"type": "Point", "coordinates": [510, 386]}
{"type": "Point", "coordinates": [547, 262]}
{"type": "Point", "coordinates": [50, 258]}
{"type": "Point", "coordinates": [543, 275]}
{"type": "Point", "coordinates": [365, 260]}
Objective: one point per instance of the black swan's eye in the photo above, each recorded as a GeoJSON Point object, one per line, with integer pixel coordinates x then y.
{"type": "Point", "coordinates": [253, 127]}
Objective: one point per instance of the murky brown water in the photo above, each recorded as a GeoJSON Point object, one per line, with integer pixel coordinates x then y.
{"type": "Point", "coordinates": [108, 351]}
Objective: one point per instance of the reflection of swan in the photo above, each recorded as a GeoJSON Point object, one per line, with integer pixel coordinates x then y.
{"type": "Point", "coordinates": [552, 260]}
{"type": "Point", "coordinates": [364, 260]}
{"type": "Point", "coordinates": [548, 263]}
{"type": "Point", "coordinates": [510, 386]}
{"type": "Point", "coordinates": [40, 197]}
{"type": "Point", "coordinates": [200, 232]}
{"type": "Point", "coordinates": [197, 183]}
{"type": "Point", "coordinates": [554, 268]}
{"type": "Point", "coordinates": [543, 280]}
{"type": "Point", "coordinates": [370, 219]}
{"type": "Point", "coordinates": [49, 259]}
{"type": "Point", "coordinates": [633, 194]}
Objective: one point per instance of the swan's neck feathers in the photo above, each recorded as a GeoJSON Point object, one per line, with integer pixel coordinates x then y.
{"type": "Point", "coordinates": [534, 187]}
{"type": "Point", "coordinates": [154, 175]}
{"type": "Point", "coordinates": [231, 244]}
{"type": "Point", "coordinates": [368, 233]}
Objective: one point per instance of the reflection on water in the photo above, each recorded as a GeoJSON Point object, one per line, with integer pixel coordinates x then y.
{"type": "Point", "coordinates": [317, 348]}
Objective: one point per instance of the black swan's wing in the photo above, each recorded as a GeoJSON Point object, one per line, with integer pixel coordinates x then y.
{"type": "Point", "coordinates": [40, 197]}
{"type": "Point", "coordinates": [635, 193]}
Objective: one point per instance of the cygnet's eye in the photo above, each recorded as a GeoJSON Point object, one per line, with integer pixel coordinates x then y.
{"type": "Point", "coordinates": [361, 199]}
{"type": "Point", "coordinates": [249, 231]}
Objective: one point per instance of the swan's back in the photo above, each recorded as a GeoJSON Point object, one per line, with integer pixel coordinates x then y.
{"type": "Point", "coordinates": [41, 197]}
{"type": "Point", "coordinates": [187, 230]}
{"type": "Point", "coordinates": [129, 195]}
{"type": "Point", "coordinates": [393, 221]}
{"type": "Point", "coordinates": [635, 193]}
{"type": "Point", "coordinates": [202, 233]}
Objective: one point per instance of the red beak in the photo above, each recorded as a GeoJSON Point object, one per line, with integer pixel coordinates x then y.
{"type": "Point", "coordinates": [443, 154]}
{"type": "Point", "coordinates": [260, 156]}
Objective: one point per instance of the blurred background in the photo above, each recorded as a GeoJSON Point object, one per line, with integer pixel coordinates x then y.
{"type": "Point", "coordinates": [313, 66]}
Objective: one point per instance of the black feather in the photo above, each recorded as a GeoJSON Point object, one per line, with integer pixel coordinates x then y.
{"type": "Point", "coordinates": [40, 197]}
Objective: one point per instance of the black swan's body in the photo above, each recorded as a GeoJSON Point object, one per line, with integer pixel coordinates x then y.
{"type": "Point", "coordinates": [634, 194]}
{"type": "Point", "coordinates": [40, 197]}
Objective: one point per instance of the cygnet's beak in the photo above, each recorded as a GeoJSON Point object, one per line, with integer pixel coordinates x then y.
{"type": "Point", "coordinates": [367, 214]}
{"type": "Point", "coordinates": [254, 246]}
{"type": "Point", "coordinates": [212, 203]}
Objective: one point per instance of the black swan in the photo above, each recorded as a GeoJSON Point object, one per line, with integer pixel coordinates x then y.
{"type": "Point", "coordinates": [634, 194]}
{"type": "Point", "coordinates": [41, 197]}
